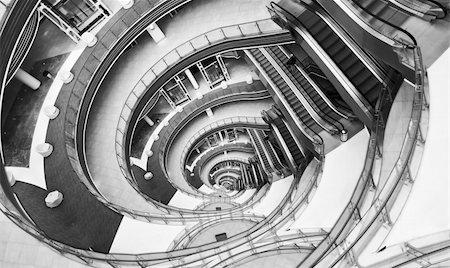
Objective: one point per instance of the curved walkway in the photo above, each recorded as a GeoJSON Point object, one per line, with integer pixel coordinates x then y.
{"type": "Point", "coordinates": [222, 112]}
{"type": "Point", "coordinates": [100, 134]}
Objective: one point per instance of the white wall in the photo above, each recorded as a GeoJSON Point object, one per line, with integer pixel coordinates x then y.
{"type": "Point", "coordinates": [341, 172]}
{"type": "Point", "coordinates": [277, 192]}
{"type": "Point", "coordinates": [182, 200]}
{"type": "Point", "coordinates": [427, 210]}
{"type": "Point", "coordinates": [136, 237]}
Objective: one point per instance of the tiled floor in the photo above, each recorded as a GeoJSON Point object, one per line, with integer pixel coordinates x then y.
{"type": "Point", "coordinates": [19, 249]}
{"type": "Point", "coordinates": [202, 15]}
{"type": "Point", "coordinates": [19, 126]}
{"type": "Point", "coordinates": [396, 128]}
{"type": "Point", "coordinates": [433, 38]}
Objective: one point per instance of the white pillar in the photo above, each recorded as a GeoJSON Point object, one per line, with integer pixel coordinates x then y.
{"type": "Point", "coordinates": [126, 4]}
{"type": "Point", "coordinates": [210, 113]}
{"type": "Point", "coordinates": [10, 177]}
{"type": "Point", "coordinates": [51, 112]}
{"type": "Point", "coordinates": [148, 176]}
{"type": "Point", "coordinates": [27, 79]}
{"type": "Point", "coordinates": [344, 135]}
{"type": "Point", "coordinates": [89, 38]}
{"type": "Point", "coordinates": [54, 199]}
{"type": "Point", "coordinates": [224, 84]}
{"type": "Point", "coordinates": [191, 78]}
{"type": "Point", "coordinates": [155, 32]}
{"type": "Point", "coordinates": [44, 149]}
{"type": "Point", "coordinates": [149, 153]}
{"type": "Point", "coordinates": [249, 79]}
{"type": "Point", "coordinates": [149, 121]}
{"type": "Point", "coordinates": [66, 76]}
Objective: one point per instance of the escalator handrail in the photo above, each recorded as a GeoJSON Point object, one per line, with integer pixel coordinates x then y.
{"type": "Point", "coordinates": [412, 4]}
{"type": "Point", "coordinates": [274, 4]}
{"type": "Point", "coordinates": [322, 114]}
{"type": "Point", "coordinates": [413, 39]}
{"type": "Point", "coordinates": [444, 10]}
{"type": "Point", "coordinates": [303, 126]}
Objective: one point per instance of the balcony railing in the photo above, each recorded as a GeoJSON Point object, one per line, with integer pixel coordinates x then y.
{"type": "Point", "coordinates": [185, 50]}
{"type": "Point", "coordinates": [280, 215]}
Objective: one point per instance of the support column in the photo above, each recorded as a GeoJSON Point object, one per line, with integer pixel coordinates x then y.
{"type": "Point", "coordinates": [155, 32]}
{"type": "Point", "coordinates": [27, 79]}
{"type": "Point", "coordinates": [89, 39]}
{"type": "Point", "coordinates": [126, 4]}
{"type": "Point", "coordinates": [191, 78]}
{"type": "Point", "coordinates": [149, 120]}
{"type": "Point", "coordinates": [209, 112]}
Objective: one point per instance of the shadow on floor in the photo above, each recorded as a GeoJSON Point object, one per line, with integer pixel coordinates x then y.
{"type": "Point", "coordinates": [20, 123]}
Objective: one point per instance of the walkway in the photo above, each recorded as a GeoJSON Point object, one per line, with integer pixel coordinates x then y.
{"type": "Point", "coordinates": [244, 108]}
{"type": "Point", "coordinates": [100, 135]}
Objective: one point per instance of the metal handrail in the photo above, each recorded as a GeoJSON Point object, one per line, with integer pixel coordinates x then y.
{"type": "Point", "coordinates": [210, 250]}
{"type": "Point", "coordinates": [255, 28]}
{"type": "Point", "coordinates": [418, 8]}
{"type": "Point", "coordinates": [413, 39]}
{"type": "Point", "coordinates": [401, 169]}
{"type": "Point", "coordinates": [441, 6]}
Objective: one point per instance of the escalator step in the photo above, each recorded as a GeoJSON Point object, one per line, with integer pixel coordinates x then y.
{"type": "Point", "coordinates": [334, 41]}
{"type": "Point", "coordinates": [342, 55]}
{"type": "Point", "coordinates": [361, 77]}
{"type": "Point", "coordinates": [350, 63]}
{"type": "Point", "coordinates": [336, 49]}
{"type": "Point", "coordinates": [356, 70]}
{"type": "Point", "coordinates": [369, 85]}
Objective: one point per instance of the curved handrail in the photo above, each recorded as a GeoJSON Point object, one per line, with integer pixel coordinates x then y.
{"type": "Point", "coordinates": [236, 31]}
{"type": "Point", "coordinates": [325, 116]}
{"type": "Point", "coordinates": [416, 7]}
{"type": "Point", "coordinates": [401, 167]}
{"type": "Point", "coordinates": [173, 257]}
{"type": "Point", "coordinates": [441, 6]}
{"type": "Point", "coordinates": [413, 39]}
{"type": "Point", "coordinates": [191, 232]}
{"type": "Point", "coordinates": [251, 121]}
{"type": "Point", "coordinates": [315, 139]}
{"type": "Point", "coordinates": [179, 120]}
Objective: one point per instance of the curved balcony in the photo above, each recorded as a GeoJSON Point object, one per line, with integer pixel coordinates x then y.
{"type": "Point", "coordinates": [269, 212]}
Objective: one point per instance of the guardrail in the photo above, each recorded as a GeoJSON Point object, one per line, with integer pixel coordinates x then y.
{"type": "Point", "coordinates": [337, 241]}
{"type": "Point", "coordinates": [216, 125]}
{"type": "Point", "coordinates": [401, 175]}
{"type": "Point", "coordinates": [431, 11]}
{"type": "Point", "coordinates": [174, 258]}
{"type": "Point", "coordinates": [183, 51]}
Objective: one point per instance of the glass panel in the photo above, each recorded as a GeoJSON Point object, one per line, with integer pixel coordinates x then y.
{"type": "Point", "coordinates": [175, 92]}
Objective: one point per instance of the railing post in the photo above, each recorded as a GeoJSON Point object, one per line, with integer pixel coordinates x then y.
{"type": "Point", "coordinates": [240, 30]}
{"type": "Point", "coordinates": [257, 26]}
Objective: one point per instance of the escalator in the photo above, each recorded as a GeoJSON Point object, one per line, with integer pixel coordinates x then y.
{"type": "Point", "coordinates": [260, 151]}
{"type": "Point", "coordinates": [287, 92]}
{"type": "Point", "coordinates": [271, 151]}
{"type": "Point", "coordinates": [343, 56]}
{"type": "Point", "coordinates": [379, 8]}
{"type": "Point", "coordinates": [312, 70]}
{"type": "Point", "coordinates": [296, 153]}
{"type": "Point", "coordinates": [310, 93]}
{"type": "Point", "coordinates": [399, 11]}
